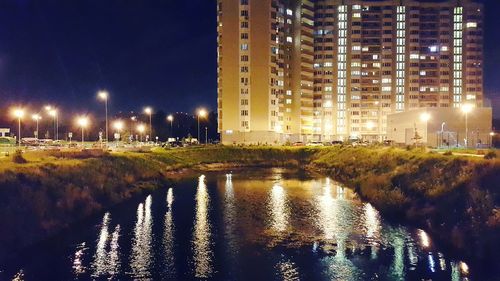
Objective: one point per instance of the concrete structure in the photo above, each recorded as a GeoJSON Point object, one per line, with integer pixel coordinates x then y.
{"type": "Point", "coordinates": [441, 127]}
{"type": "Point", "coordinates": [4, 132]}
{"type": "Point", "coordinates": [291, 70]}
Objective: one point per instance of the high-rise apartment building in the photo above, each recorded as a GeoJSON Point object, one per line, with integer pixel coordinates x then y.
{"type": "Point", "coordinates": [302, 70]}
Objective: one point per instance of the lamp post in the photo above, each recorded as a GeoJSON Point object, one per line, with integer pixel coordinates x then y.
{"type": "Point", "coordinates": [37, 118]}
{"type": "Point", "coordinates": [53, 112]}
{"type": "Point", "coordinates": [170, 118]}
{"type": "Point", "coordinates": [118, 125]}
{"type": "Point", "coordinates": [141, 128]}
{"type": "Point", "coordinates": [492, 134]}
{"type": "Point", "coordinates": [424, 117]}
{"type": "Point", "coordinates": [466, 108]}
{"type": "Point", "coordinates": [19, 114]}
{"type": "Point", "coordinates": [83, 122]}
{"type": "Point", "coordinates": [442, 132]}
{"type": "Point", "coordinates": [103, 95]}
{"type": "Point", "coordinates": [149, 111]}
{"type": "Point", "coordinates": [206, 135]}
{"type": "Point", "coordinates": [201, 113]}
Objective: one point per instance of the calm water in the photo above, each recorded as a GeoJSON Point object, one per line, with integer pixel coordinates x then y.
{"type": "Point", "coordinates": [252, 225]}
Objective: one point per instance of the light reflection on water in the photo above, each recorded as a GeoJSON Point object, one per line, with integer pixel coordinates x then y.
{"type": "Point", "coordinates": [169, 239]}
{"type": "Point", "coordinates": [142, 251]}
{"type": "Point", "coordinates": [202, 252]}
{"type": "Point", "coordinates": [255, 227]}
{"type": "Point", "coordinates": [279, 211]}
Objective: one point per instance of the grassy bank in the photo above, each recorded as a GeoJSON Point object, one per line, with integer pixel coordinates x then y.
{"type": "Point", "coordinates": [451, 196]}
{"type": "Point", "coordinates": [43, 192]}
{"type": "Point", "coordinates": [455, 198]}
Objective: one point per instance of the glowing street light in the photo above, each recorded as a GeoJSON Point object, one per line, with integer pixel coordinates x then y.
{"type": "Point", "coordinates": [425, 117]}
{"type": "Point", "coordinates": [141, 129]}
{"type": "Point", "coordinates": [103, 95]}
{"type": "Point", "coordinates": [118, 125]}
{"type": "Point", "coordinates": [170, 118]}
{"type": "Point", "coordinates": [149, 111]}
{"type": "Point", "coordinates": [37, 118]}
{"type": "Point", "coordinates": [83, 122]}
{"type": "Point", "coordinates": [19, 114]}
{"type": "Point", "coordinates": [201, 113]}
{"type": "Point", "coordinates": [370, 125]}
{"type": "Point", "coordinates": [466, 109]}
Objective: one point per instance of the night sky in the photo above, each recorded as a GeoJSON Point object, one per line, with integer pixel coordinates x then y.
{"type": "Point", "coordinates": [144, 52]}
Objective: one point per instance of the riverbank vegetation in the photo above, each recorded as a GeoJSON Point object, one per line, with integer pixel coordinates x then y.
{"type": "Point", "coordinates": [453, 197]}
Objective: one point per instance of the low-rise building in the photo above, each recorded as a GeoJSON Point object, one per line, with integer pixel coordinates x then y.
{"type": "Point", "coordinates": [441, 127]}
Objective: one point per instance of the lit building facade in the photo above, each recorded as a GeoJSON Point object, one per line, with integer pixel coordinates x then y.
{"type": "Point", "coordinates": [302, 70]}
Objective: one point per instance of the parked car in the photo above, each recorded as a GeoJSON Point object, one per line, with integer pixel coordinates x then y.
{"type": "Point", "coordinates": [298, 143]}
{"type": "Point", "coordinates": [314, 143]}
{"type": "Point", "coordinates": [337, 142]}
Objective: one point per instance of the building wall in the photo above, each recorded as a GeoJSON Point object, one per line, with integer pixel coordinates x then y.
{"type": "Point", "coordinates": [402, 126]}
{"type": "Point", "coordinates": [333, 69]}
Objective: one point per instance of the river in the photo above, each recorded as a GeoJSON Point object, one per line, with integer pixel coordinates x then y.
{"type": "Point", "coordinates": [270, 224]}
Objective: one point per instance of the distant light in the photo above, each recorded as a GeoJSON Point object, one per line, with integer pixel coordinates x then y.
{"type": "Point", "coordinates": [202, 112]}
{"type": "Point", "coordinates": [433, 49]}
{"type": "Point", "coordinates": [18, 113]}
{"type": "Point", "coordinates": [148, 110]}
{"type": "Point", "coordinates": [36, 117]}
{"type": "Point", "coordinates": [103, 95]}
{"type": "Point", "coordinates": [424, 117]}
{"type": "Point", "coordinates": [83, 121]}
{"type": "Point", "coordinates": [170, 118]}
{"type": "Point", "coordinates": [141, 128]}
{"type": "Point", "coordinates": [53, 112]}
{"type": "Point", "coordinates": [492, 134]}
{"type": "Point", "coordinates": [118, 125]}
{"type": "Point", "coordinates": [370, 125]}
{"type": "Point", "coordinates": [466, 108]}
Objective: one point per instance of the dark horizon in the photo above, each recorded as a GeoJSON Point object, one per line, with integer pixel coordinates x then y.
{"type": "Point", "coordinates": [156, 53]}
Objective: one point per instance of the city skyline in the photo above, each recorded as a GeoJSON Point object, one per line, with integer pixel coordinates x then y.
{"type": "Point", "coordinates": [66, 72]}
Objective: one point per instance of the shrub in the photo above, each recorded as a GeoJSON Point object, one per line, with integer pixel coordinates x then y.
{"type": "Point", "coordinates": [448, 153]}
{"type": "Point", "coordinates": [490, 155]}
{"type": "Point", "coordinates": [18, 157]}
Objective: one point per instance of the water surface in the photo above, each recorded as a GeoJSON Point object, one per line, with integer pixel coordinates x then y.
{"type": "Point", "coordinates": [246, 225]}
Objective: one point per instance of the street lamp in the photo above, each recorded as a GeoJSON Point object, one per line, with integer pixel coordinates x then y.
{"type": "Point", "coordinates": [19, 114]}
{"type": "Point", "coordinates": [37, 118]}
{"type": "Point", "coordinates": [170, 118]}
{"type": "Point", "coordinates": [149, 111]}
{"type": "Point", "coordinates": [103, 95]}
{"type": "Point", "coordinates": [53, 112]}
{"type": "Point", "coordinates": [83, 122]}
{"type": "Point", "coordinates": [118, 125]}
{"type": "Point", "coordinates": [424, 117]}
{"type": "Point", "coordinates": [492, 134]}
{"type": "Point", "coordinates": [466, 109]}
{"type": "Point", "coordinates": [141, 128]}
{"type": "Point", "coordinates": [201, 113]}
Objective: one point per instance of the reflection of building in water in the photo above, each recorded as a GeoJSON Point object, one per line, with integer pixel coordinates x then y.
{"type": "Point", "coordinates": [202, 252]}
{"type": "Point", "coordinates": [168, 239]}
{"type": "Point", "coordinates": [279, 211]}
{"type": "Point", "coordinates": [372, 228]}
{"type": "Point", "coordinates": [142, 251]}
